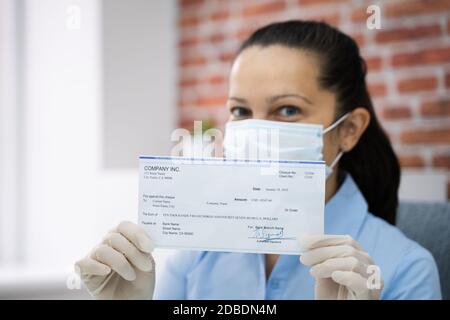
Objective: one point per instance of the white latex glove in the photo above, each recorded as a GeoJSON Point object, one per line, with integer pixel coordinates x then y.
{"type": "Point", "coordinates": [121, 267]}
{"type": "Point", "coordinates": [340, 267]}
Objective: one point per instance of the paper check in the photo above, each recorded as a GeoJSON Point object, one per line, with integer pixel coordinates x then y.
{"type": "Point", "coordinates": [220, 204]}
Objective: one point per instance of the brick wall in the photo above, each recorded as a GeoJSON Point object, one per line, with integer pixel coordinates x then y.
{"type": "Point", "coordinates": [408, 59]}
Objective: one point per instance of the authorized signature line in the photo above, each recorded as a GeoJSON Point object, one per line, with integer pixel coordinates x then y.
{"type": "Point", "coordinates": [261, 234]}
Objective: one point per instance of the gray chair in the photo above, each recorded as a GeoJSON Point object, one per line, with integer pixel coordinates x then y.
{"type": "Point", "coordinates": [429, 225]}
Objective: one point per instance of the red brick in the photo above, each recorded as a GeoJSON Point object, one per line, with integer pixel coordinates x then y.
{"type": "Point", "coordinates": [391, 135]}
{"type": "Point", "coordinates": [213, 79]}
{"type": "Point", "coordinates": [187, 123]}
{"type": "Point", "coordinates": [187, 3]}
{"type": "Point", "coordinates": [417, 84]}
{"type": "Point", "coordinates": [188, 82]}
{"type": "Point", "coordinates": [182, 102]}
{"type": "Point", "coordinates": [317, 2]}
{"type": "Point", "coordinates": [402, 34]}
{"type": "Point", "coordinates": [377, 89]}
{"type": "Point", "coordinates": [414, 136]}
{"type": "Point", "coordinates": [244, 33]}
{"type": "Point", "coordinates": [263, 8]}
{"type": "Point", "coordinates": [411, 161]}
{"type": "Point", "coordinates": [406, 8]}
{"type": "Point", "coordinates": [332, 19]}
{"type": "Point", "coordinates": [437, 108]}
{"type": "Point", "coordinates": [360, 14]}
{"type": "Point", "coordinates": [193, 61]}
{"type": "Point", "coordinates": [211, 101]}
{"type": "Point", "coordinates": [186, 42]}
{"type": "Point", "coordinates": [216, 38]}
{"type": "Point", "coordinates": [396, 112]}
{"type": "Point", "coordinates": [441, 161]}
{"type": "Point", "coordinates": [188, 21]}
{"type": "Point", "coordinates": [426, 56]}
{"type": "Point", "coordinates": [227, 56]}
{"type": "Point", "coordinates": [216, 79]}
{"type": "Point", "coordinates": [220, 15]}
{"type": "Point", "coordinates": [373, 63]}
{"type": "Point", "coordinates": [359, 38]}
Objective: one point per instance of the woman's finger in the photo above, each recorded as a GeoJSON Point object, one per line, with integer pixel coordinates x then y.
{"type": "Point", "coordinates": [352, 280]}
{"type": "Point", "coordinates": [137, 258]}
{"type": "Point", "coordinates": [326, 268]}
{"type": "Point", "coordinates": [115, 260]}
{"type": "Point", "coordinates": [135, 235]}
{"type": "Point", "coordinates": [89, 266]}
{"type": "Point", "coordinates": [309, 242]}
{"type": "Point", "coordinates": [319, 255]}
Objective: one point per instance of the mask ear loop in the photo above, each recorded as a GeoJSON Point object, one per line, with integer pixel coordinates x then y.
{"type": "Point", "coordinates": [336, 160]}
{"type": "Point", "coordinates": [338, 122]}
{"type": "Point", "coordinates": [331, 127]}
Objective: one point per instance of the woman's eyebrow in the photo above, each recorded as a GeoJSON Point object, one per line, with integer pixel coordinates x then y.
{"type": "Point", "coordinates": [275, 98]}
{"type": "Point", "coordinates": [289, 95]}
{"type": "Point", "coordinates": [240, 100]}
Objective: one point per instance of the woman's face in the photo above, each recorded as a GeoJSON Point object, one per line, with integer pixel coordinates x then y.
{"type": "Point", "coordinates": [281, 84]}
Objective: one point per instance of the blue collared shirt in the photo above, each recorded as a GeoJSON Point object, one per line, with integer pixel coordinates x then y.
{"type": "Point", "coordinates": [408, 270]}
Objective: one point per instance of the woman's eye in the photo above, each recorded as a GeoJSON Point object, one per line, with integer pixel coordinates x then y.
{"type": "Point", "coordinates": [239, 112]}
{"type": "Point", "coordinates": [288, 111]}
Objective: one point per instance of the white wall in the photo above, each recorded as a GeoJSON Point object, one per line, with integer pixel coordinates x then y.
{"type": "Point", "coordinates": [139, 63]}
{"type": "Point", "coordinates": [70, 200]}
{"type": "Point", "coordinates": [8, 133]}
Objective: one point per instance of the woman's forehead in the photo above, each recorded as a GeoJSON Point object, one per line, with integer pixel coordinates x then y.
{"type": "Point", "coordinates": [275, 69]}
{"type": "Point", "coordinates": [275, 58]}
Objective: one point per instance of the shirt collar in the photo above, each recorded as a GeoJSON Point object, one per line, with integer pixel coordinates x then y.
{"type": "Point", "coordinates": [346, 210]}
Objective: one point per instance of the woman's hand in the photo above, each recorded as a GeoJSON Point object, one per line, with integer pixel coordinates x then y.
{"type": "Point", "coordinates": [340, 267]}
{"type": "Point", "coordinates": [121, 267]}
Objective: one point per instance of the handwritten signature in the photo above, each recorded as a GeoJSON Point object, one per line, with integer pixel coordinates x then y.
{"type": "Point", "coordinates": [265, 234]}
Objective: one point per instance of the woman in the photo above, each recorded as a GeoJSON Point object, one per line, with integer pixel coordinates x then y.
{"type": "Point", "coordinates": [305, 72]}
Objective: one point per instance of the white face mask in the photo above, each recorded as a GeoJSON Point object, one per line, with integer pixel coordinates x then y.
{"type": "Point", "coordinates": [265, 139]}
